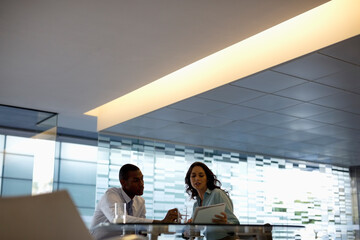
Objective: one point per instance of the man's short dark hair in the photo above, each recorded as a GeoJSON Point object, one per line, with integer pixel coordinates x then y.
{"type": "Point", "coordinates": [125, 169]}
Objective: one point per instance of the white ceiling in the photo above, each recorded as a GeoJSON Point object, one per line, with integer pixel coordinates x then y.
{"type": "Point", "coordinates": [71, 56]}
{"type": "Point", "coordinates": [308, 109]}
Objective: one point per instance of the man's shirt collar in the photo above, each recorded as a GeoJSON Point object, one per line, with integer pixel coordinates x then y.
{"type": "Point", "coordinates": [125, 196]}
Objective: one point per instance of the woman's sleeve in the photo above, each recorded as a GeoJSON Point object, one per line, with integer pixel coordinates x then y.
{"type": "Point", "coordinates": [229, 210]}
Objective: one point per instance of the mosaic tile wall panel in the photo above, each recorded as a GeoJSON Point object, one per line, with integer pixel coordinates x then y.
{"type": "Point", "coordinates": [263, 190]}
{"type": "Point", "coordinates": [355, 192]}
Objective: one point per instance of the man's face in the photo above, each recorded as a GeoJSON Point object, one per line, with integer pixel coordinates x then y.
{"type": "Point", "coordinates": [134, 185]}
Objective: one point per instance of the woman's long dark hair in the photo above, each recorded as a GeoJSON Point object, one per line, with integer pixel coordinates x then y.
{"type": "Point", "coordinates": [212, 181]}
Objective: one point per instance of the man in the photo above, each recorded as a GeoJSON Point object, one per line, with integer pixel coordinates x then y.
{"type": "Point", "coordinates": [132, 187]}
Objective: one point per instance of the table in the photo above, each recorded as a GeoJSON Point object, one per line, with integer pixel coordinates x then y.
{"type": "Point", "coordinates": [189, 231]}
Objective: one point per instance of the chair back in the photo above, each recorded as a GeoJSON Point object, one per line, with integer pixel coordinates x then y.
{"type": "Point", "coordinates": [41, 217]}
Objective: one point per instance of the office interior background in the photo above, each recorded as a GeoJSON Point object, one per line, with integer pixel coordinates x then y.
{"type": "Point", "coordinates": [283, 141]}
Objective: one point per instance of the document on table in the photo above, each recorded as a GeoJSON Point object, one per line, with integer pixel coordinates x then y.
{"type": "Point", "coordinates": [207, 213]}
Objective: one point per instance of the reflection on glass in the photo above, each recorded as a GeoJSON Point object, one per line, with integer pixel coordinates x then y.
{"type": "Point", "coordinates": [43, 172]}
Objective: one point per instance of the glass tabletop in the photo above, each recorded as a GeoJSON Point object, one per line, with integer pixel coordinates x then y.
{"type": "Point", "coordinates": [192, 231]}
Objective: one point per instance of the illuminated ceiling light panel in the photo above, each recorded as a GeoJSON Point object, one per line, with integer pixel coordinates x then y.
{"type": "Point", "coordinates": [322, 26]}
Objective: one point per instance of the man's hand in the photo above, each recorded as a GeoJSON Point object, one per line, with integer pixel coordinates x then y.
{"type": "Point", "coordinates": [171, 216]}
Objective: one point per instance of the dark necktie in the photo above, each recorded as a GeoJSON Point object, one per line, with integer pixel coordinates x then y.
{"type": "Point", "coordinates": [129, 208]}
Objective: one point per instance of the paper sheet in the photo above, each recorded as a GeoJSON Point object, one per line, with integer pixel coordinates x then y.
{"type": "Point", "coordinates": [206, 214]}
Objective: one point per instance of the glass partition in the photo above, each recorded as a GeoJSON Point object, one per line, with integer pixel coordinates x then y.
{"type": "Point", "coordinates": [27, 151]}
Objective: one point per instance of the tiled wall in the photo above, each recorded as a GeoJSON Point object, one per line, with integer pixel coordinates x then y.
{"type": "Point", "coordinates": [263, 190]}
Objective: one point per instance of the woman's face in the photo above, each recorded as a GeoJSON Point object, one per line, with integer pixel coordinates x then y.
{"type": "Point", "coordinates": [198, 179]}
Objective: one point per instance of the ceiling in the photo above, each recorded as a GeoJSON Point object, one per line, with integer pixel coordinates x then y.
{"type": "Point", "coordinates": [72, 56]}
{"type": "Point", "coordinates": [308, 108]}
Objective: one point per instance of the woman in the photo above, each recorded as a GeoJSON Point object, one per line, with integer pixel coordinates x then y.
{"type": "Point", "coordinates": [202, 185]}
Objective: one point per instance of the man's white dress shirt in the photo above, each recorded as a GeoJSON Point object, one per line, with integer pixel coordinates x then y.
{"type": "Point", "coordinates": [105, 209]}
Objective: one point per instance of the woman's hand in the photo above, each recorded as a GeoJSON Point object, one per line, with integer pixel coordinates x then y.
{"type": "Point", "coordinates": [222, 219]}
